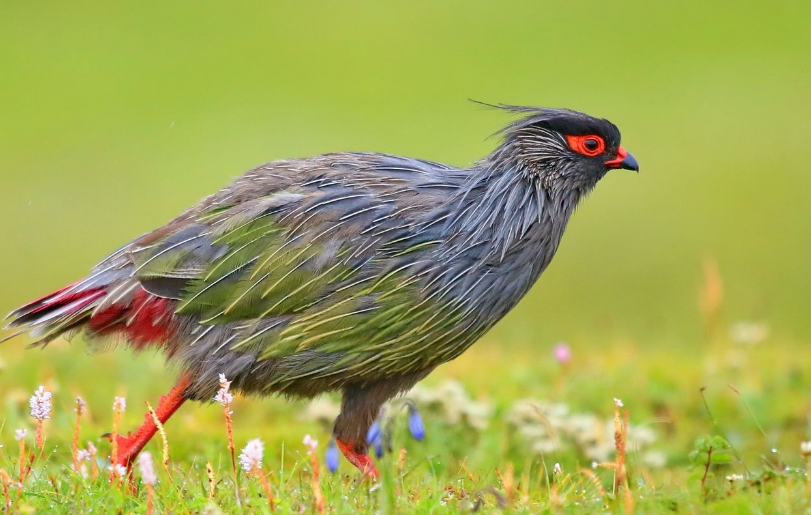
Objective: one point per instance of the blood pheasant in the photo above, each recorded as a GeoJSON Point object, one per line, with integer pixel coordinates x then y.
{"type": "Point", "coordinates": [349, 272]}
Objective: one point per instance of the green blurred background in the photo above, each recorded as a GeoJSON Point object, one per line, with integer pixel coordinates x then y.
{"type": "Point", "coordinates": [115, 116]}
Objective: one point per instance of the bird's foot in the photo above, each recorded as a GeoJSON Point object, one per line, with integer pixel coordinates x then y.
{"type": "Point", "coordinates": [361, 460]}
{"type": "Point", "coordinates": [127, 449]}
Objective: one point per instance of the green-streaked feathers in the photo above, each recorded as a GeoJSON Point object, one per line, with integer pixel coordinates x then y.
{"type": "Point", "coordinates": [308, 269]}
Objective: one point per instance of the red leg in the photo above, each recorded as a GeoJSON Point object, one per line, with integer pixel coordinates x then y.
{"type": "Point", "coordinates": [129, 446]}
{"type": "Point", "coordinates": [360, 460]}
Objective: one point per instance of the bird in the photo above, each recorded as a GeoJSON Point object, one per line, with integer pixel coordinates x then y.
{"type": "Point", "coordinates": [350, 272]}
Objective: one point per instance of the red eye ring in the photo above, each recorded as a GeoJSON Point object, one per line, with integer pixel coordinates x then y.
{"type": "Point", "coordinates": [589, 145]}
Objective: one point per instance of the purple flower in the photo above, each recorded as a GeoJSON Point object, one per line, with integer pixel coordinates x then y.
{"type": "Point", "coordinates": [563, 354]}
{"type": "Point", "coordinates": [415, 425]}
{"type": "Point", "coordinates": [379, 451]}
{"type": "Point", "coordinates": [374, 437]}
{"type": "Point", "coordinates": [375, 434]}
{"type": "Point", "coordinates": [332, 456]}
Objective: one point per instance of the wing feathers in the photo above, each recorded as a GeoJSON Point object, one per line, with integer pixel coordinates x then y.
{"type": "Point", "coordinates": [335, 255]}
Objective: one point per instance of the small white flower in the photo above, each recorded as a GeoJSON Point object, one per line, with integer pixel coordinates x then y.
{"type": "Point", "coordinates": [311, 444]}
{"type": "Point", "coordinates": [223, 396]}
{"type": "Point", "coordinates": [251, 457]}
{"type": "Point", "coordinates": [618, 402]}
{"type": "Point", "coordinates": [80, 405]}
{"type": "Point", "coordinates": [147, 469]}
{"type": "Point", "coordinates": [91, 449]}
{"type": "Point", "coordinates": [119, 404]}
{"type": "Point", "coordinates": [19, 434]}
{"type": "Point", "coordinates": [805, 448]}
{"type": "Point", "coordinates": [40, 404]}
{"type": "Point", "coordinates": [749, 333]}
{"type": "Point", "coordinates": [734, 477]}
{"type": "Point", "coordinates": [118, 469]}
{"type": "Point", "coordinates": [82, 455]}
{"type": "Point", "coordinates": [556, 470]}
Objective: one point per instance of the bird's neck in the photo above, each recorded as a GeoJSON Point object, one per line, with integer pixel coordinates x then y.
{"type": "Point", "coordinates": [501, 231]}
{"type": "Point", "coordinates": [505, 211]}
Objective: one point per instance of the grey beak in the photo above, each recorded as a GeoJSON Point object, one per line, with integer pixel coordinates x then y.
{"type": "Point", "coordinates": [629, 163]}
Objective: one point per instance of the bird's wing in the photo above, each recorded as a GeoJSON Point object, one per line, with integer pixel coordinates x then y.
{"type": "Point", "coordinates": [322, 254]}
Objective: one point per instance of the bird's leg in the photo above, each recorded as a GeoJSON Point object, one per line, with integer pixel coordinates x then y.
{"type": "Point", "coordinates": [359, 409]}
{"type": "Point", "coordinates": [129, 446]}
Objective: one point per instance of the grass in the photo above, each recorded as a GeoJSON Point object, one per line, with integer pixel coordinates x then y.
{"type": "Point", "coordinates": [715, 431]}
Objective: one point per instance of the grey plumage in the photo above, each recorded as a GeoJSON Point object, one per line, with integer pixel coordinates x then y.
{"type": "Point", "coordinates": [356, 272]}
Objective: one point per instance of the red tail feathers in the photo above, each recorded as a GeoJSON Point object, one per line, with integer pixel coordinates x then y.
{"type": "Point", "coordinates": [146, 319]}
{"type": "Point", "coordinates": [141, 317]}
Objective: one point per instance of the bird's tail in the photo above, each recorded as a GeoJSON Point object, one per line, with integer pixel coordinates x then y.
{"type": "Point", "coordinates": [109, 302]}
{"type": "Point", "coordinates": [57, 313]}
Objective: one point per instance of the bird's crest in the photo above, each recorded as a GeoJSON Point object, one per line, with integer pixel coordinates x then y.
{"type": "Point", "coordinates": [564, 121]}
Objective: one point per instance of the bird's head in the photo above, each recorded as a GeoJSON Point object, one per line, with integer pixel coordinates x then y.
{"type": "Point", "coordinates": [562, 149]}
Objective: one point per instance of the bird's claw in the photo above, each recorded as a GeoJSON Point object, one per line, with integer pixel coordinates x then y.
{"type": "Point", "coordinates": [126, 449]}
{"type": "Point", "coordinates": [362, 461]}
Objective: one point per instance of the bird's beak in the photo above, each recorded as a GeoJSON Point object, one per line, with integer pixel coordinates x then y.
{"type": "Point", "coordinates": [623, 160]}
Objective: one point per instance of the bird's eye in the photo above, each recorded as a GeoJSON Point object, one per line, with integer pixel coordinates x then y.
{"type": "Point", "coordinates": [588, 145]}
